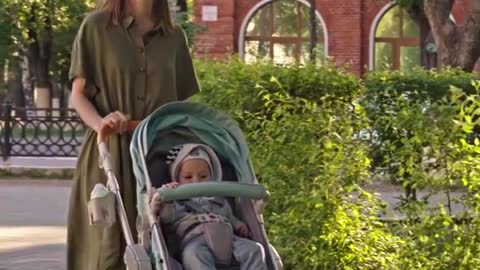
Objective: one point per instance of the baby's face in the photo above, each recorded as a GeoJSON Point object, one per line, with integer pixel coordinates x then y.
{"type": "Point", "coordinates": [193, 171]}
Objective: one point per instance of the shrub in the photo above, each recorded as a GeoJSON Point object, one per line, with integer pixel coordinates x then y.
{"type": "Point", "coordinates": [232, 85]}
{"type": "Point", "coordinates": [406, 113]}
{"type": "Point", "coordinates": [418, 83]}
{"type": "Point", "coordinates": [308, 146]}
{"type": "Point", "coordinates": [305, 152]}
{"type": "Point", "coordinates": [439, 238]}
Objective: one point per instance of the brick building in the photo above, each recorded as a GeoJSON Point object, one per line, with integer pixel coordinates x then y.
{"type": "Point", "coordinates": [365, 34]}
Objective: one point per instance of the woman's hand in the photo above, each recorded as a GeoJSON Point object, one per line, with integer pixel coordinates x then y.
{"type": "Point", "coordinates": [242, 230]}
{"type": "Point", "coordinates": [170, 185]}
{"type": "Point", "coordinates": [116, 121]}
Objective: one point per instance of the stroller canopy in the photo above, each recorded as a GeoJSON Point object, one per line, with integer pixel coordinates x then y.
{"type": "Point", "coordinates": [180, 122]}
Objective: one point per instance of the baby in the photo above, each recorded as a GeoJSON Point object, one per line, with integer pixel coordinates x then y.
{"type": "Point", "coordinates": [205, 225]}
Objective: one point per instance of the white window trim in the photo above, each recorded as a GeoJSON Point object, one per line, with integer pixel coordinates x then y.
{"type": "Point", "coordinates": [251, 13]}
{"type": "Point", "coordinates": [373, 30]}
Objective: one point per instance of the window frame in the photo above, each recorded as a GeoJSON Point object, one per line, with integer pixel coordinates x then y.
{"type": "Point", "coordinates": [395, 42]}
{"type": "Point", "coordinates": [272, 40]}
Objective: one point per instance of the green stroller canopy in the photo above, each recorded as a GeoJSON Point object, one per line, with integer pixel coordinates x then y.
{"type": "Point", "coordinates": [174, 123]}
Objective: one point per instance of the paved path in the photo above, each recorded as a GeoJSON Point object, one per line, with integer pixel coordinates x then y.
{"type": "Point", "coordinates": [391, 195]}
{"type": "Point", "coordinates": [39, 162]}
{"type": "Point", "coordinates": [32, 224]}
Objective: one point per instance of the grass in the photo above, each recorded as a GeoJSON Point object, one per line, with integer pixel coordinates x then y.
{"type": "Point", "coordinates": [43, 174]}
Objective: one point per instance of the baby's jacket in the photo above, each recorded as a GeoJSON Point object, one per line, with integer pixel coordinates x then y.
{"type": "Point", "coordinates": [184, 216]}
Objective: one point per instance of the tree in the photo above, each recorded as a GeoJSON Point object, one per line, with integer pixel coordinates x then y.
{"type": "Point", "coordinates": [428, 57]}
{"type": "Point", "coordinates": [34, 24]}
{"type": "Point", "coordinates": [5, 45]}
{"type": "Point", "coordinates": [456, 45]}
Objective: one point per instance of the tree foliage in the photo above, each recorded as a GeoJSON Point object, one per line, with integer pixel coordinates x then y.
{"type": "Point", "coordinates": [38, 36]}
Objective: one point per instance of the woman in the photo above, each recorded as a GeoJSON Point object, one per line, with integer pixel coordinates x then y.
{"type": "Point", "coordinates": [127, 60]}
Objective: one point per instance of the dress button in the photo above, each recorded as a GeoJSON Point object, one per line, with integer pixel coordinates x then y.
{"type": "Point", "coordinates": [140, 98]}
{"type": "Point", "coordinates": [142, 69]}
{"type": "Point", "coordinates": [141, 50]}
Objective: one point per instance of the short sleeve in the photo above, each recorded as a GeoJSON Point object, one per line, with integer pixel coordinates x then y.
{"type": "Point", "coordinates": [186, 78]}
{"type": "Point", "coordinates": [80, 64]}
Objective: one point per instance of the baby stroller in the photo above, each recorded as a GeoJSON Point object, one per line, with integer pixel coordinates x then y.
{"type": "Point", "coordinates": [170, 125]}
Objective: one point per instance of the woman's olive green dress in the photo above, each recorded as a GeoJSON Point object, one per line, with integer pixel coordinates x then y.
{"type": "Point", "coordinates": [135, 75]}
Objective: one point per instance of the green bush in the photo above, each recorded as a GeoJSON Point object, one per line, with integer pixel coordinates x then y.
{"type": "Point", "coordinates": [232, 85]}
{"type": "Point", "coordinates": [439, 242]}
{"type": "Point", "coordinates": [406, 113]}
{"type": "Point", "coordinates": [304, 150]}
{"type": "Point", "coordinates": [440, 239]}
{"type": "Point", "coordinates": [418, 83]}
{"type": "Point", "coordinates": [313, 132]}
{"type": "Point", "coordinates": [306, 154]}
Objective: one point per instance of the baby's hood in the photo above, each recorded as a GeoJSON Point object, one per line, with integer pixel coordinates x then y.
{"type": "Point", "coordinates": [178, 154]}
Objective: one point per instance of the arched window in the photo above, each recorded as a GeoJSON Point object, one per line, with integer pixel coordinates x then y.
{"type": "Point", "coordinates": [280, 30]}
{"type": "Point", "coordinates": [397, 41]}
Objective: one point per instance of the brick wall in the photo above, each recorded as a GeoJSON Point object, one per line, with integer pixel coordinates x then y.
{"type": "Point", "coordinates": [343, 23]}
{"type": "Point", "coordinates": [219, 38]}
{"type": "Point", "coordinates": [348, 23]}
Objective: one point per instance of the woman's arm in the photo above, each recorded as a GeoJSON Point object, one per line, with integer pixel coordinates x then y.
{"type": "Point", "coordinates": [88, 113]}
{"type": "Point", "coordinates": [83, 106]}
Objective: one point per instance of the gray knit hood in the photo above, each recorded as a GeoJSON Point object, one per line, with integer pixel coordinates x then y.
{"type": "Point", "coordinates": [179, 153]}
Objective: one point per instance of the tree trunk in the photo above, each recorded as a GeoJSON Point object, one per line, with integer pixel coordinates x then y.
{"type": "Point", "coordinates": [39, 53]}
{"type": "Point", "coordinates": [458, 46]}
{"type": "Point", "coordinates": [27, 79]}
{"type": "Point", "coordinates": [417, 13]}
{"type": "Point", "coordinates": [313, 31]}
{"type": "Point", "coordinates": [471, 37]}
{"type": "Point", "coordinates": [42, 76]}
{"type": "Point", "coordinates": [19, 97]}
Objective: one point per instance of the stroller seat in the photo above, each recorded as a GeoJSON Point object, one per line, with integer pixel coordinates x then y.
{"type": "Point", "coordinates": [158, 170]}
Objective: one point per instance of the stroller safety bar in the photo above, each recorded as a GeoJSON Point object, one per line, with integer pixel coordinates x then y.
{"type": "Point", "coordinates": [212, 189]}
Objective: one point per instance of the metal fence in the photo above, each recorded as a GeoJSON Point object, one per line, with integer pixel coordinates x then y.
{"type": "Point", "coordinates": [27, 132]}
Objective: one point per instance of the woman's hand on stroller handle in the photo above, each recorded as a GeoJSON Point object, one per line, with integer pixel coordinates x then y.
{"type": "Point", "coordinates": [115, 123]}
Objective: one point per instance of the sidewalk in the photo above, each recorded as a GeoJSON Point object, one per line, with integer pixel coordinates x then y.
{"type": "Point", "coordinates": [39, 162]}
{"type": "Point", "coordinates": [33, 223]}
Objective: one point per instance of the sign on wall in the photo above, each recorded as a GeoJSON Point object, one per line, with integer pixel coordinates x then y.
{"type": "Point", "coordinates": [209, 13]}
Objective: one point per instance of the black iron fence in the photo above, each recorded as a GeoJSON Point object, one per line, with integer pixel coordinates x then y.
{"type": "Point", "coordinates": [39, 132]}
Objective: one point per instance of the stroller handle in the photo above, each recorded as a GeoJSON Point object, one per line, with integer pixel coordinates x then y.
{"type": "Point", "coordinates": [107, 131]}
{"type": "Point", "coordinates": [212, 189]}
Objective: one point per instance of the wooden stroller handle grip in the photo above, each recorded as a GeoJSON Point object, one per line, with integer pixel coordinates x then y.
{"type": "Point", "coordinates": [107, 131]}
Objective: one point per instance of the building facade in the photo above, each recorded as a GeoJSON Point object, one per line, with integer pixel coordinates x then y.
{"type": "Point", "coordinates": [363, 34]}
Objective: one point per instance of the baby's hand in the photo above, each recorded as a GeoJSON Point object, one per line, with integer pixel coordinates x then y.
{"type": "Point", "coordinates": [170, 185]}
{"type": "Point", "coordinates": [242, 230]}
